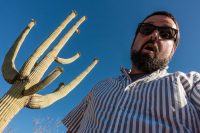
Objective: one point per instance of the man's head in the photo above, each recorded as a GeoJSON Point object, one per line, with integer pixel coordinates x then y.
{"type": "Point", "coordinates": [155, 42]}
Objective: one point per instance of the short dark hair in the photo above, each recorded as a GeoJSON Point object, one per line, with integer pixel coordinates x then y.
{"type": "Point", "coordinates": [164, 13]}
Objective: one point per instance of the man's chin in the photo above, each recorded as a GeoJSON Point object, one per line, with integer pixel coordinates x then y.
{"type": "Point", "coordinates": [147, 61]}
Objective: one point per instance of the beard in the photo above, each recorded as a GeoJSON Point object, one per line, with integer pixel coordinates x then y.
{"type": "Point", "coordinates": [147, 63]}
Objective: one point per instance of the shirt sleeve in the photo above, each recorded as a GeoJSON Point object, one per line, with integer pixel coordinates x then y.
{"type": "Point", "coordinates": [73, 119]}
{"type": "Point", "coordinates": [195, 92]}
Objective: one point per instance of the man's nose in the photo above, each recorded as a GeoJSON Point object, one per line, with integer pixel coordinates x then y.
{"type": "Point", "coordinates": [155, 35]}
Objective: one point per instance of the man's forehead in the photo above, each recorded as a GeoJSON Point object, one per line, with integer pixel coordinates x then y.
{"type": "Point", "coordinates": [161, 20]}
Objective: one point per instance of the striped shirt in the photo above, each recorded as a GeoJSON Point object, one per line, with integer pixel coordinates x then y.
{"type": "Point", "coordinates": [160, 102]}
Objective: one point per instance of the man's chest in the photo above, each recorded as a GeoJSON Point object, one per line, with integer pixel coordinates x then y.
{"type": "Point", "coordinates": [161, 100]}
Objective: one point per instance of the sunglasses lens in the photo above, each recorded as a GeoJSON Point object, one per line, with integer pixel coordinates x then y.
{"type": "Point", "coordinates": [167, 33]}
{"type": "Point", "coordinates": [146, 29]}
{"type": "Point", "coordinates": [164, 32]}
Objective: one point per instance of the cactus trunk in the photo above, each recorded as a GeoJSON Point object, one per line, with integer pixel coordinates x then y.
{"type": "Point", "coordinates": [11, 103]}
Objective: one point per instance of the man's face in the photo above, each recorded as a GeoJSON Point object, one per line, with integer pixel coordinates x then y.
{"type": "Point", "coordinates": [152, 52]}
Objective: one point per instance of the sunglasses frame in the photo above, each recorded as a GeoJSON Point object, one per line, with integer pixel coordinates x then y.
{"type": "Point", "coordinates": [174, 37]}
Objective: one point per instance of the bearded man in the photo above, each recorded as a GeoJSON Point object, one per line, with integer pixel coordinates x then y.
{"type": "Point", "coordinates": [146, 98]}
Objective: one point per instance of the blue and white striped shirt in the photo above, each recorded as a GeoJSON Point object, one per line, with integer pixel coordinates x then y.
{"type": "Point", "coordinates": [160, 102]}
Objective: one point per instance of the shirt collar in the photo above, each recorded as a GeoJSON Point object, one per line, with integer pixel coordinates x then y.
{"type": "Point", "coordinates": [157, 73]}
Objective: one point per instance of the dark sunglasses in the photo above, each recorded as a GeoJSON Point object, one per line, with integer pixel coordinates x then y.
{"type": "Point", "coordinates": [165, 32]}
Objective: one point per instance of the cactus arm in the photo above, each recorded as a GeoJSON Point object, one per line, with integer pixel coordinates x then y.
{"type": "Point", "coordinates": [29, 64]}
{"type": "Point", "coordinates": [67, 61]}
{"type": "Point", "coordinates": [42, 101]}
{"type": "Point", "coordinates": [45, 82]}
{"type": "Point", "coordinates": [38, 101]}
{"type": "Point", "coordinates": [43, 65]}
{"type": "Point", "coordinates": [8, 69]}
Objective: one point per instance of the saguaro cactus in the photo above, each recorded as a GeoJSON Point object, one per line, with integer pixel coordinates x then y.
{"type": "Point", "coordinates": [26, 82]}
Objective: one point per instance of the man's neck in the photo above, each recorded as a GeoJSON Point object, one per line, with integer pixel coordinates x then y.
{"type": "Point", "coordinates": [136, 71]}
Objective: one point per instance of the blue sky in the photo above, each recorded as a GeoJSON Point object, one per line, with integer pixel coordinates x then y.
{"type": "Point", "coordinates": [107, 34]}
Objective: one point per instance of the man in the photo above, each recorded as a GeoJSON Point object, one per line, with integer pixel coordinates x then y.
{"type": "Point", "coordinates": [145, 99]}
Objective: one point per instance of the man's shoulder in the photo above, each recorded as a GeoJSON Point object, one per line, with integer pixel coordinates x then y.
{"type": "Point", "coordinates": [192, 75]}
{"type": "Point", "coordinates": [109, 81]}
